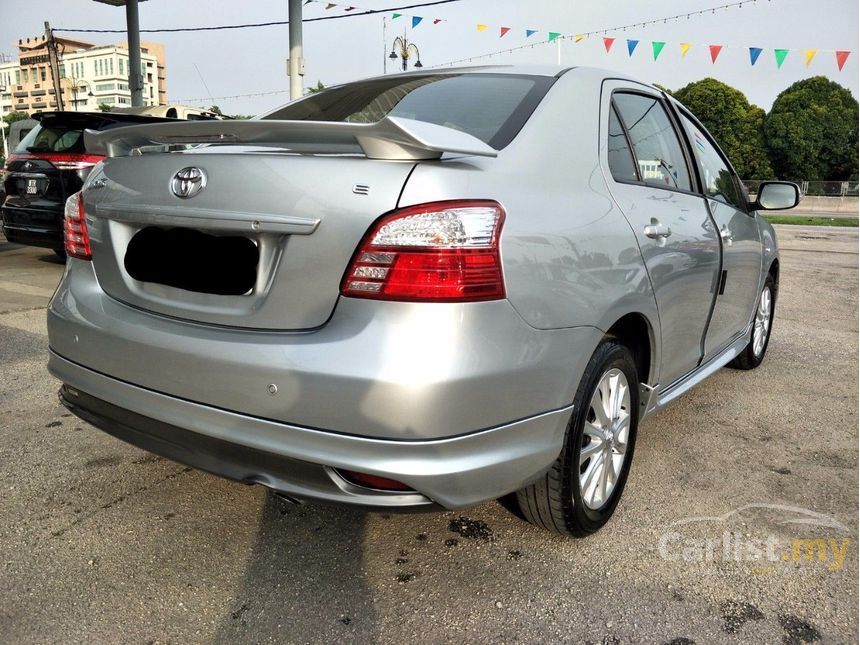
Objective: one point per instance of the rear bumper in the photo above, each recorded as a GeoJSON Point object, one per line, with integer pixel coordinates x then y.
{"type": "Point", "coordinates": [33, 227]}
{"type": "Point", "coordinates": [451, 473]}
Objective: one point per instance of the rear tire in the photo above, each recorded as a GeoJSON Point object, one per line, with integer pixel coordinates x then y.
{"type": "Point", "coordinates": [753, 353]}
{"type": "Point", "coordinates": [601, 432]}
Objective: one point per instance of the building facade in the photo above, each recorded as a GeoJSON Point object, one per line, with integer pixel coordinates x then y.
{"type": "Point", "coordinates": [90, 75]}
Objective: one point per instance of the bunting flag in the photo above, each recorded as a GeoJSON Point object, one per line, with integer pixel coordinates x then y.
{"type": "Point", "coordinates": [685, 48]}
{"type": "Point", "coordinates": [715, 51]}
{"type": "Point", "coordinates": [330, 5]}
{"type": "Point", "coordinates": [482, 27]}
{"type": "Point", "coordinates": [350, 9]}
{"type": "Point", "coordinates": [579, 37]}
{"type": "Point", "coordinates": [530, 32]}
{"type": "Point", "coordinates": [553, 35]}
{"type": "Point", "coordinates": [436, 21]}
{"type": "Point", "coordinates": [416, 20]}
{"type": "Point", "coordinates": [503, 31]}
{"type": "Point", "coordinates": [631, 45]}
{"type": "Point", "coordinates": [841, 57]}
{"type": "Point", "coordinates": [395, 16]}
{"type": "Point", "coordinates": [810, 54]}
{"type": "Point", "coordinates": [755, 52]}
{"type": "Point", "coordinates": [780, 55]}
{"type": "Point", "coordinates": [607, 43]}
{"type": "Point", "coordinates": [656, 47]}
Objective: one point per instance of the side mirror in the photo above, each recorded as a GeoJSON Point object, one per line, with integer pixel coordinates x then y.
{"type": "Point", "coordinates": [777, 195]}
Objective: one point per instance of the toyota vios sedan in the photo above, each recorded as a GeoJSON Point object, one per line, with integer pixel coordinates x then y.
{"type": "Point", "coordinates": [419, 291]}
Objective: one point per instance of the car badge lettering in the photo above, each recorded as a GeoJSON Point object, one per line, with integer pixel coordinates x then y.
{"type": "Point", "coordinates": [188, 182]}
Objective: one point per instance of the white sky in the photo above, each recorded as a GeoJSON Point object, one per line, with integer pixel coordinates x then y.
{"type": "Point", "coordinates": [254, 60]}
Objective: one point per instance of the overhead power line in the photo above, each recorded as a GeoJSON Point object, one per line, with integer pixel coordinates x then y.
{"type": "Point", "coordinates": [274, 23]}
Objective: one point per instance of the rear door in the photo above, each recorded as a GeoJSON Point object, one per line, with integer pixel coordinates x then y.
{"type": "Point", "coordinates": [651, 179]}
{"type": "Point", "coordinates": [739, 235]}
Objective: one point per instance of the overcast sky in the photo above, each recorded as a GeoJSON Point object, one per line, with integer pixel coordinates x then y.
{"type": "Point", "coordinates": [254, 60]}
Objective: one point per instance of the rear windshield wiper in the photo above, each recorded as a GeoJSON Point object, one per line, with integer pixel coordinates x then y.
{"type": "Point", "coordinates": [38, 149]}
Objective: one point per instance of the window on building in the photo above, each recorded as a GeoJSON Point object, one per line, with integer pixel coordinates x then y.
{"type": "Point", "coordinates": [121, 70]}
{"type": "Point", "coordinates": [105, 87]}
{"type": "Point", "coordinates": [26, 75]}
{"type": "Point", "coordinates": [110, 65]}
{"type": "Point", "coordinates": [656, 146]}
{"type": "Point", "coordinates": [43, 74]}
{"type": "Point", "coordinates": [17, 77]}
{"type": "Point", "coordinates": [62, 71]}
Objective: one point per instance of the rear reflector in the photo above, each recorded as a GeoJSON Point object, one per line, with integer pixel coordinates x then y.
{"type": "Point", "coordinates": [438, 252]}
{"type": "Point", "coordinates": [77, 239]}
{"type": "Point", "coordinates": [372, 481]}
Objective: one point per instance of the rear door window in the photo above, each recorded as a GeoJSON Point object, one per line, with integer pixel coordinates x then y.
{"type": "Point", "coordinates": [656, 147]}
{"type": "Point", "coordinates": [620, 156]}
{"type": "Point", "coordinates": [53, 138]}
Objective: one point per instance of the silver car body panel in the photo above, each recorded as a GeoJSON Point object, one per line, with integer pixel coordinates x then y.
{"type": "Point", "coordinates": [463, 402]}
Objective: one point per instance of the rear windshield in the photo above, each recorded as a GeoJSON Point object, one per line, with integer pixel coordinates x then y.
{"type": "Point", "coordinates": [490, 107]}
{"type": "Point", "coordinates": [54, 137]}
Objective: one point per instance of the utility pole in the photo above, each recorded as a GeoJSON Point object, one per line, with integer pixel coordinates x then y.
{"type": "Point", "coordinates": [295, 63]}
{"type": "Point", "coordinates": [53, 59]}
{"type": "Point", "coordinates": [135, 76]}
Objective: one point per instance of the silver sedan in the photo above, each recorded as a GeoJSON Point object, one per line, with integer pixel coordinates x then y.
{"type": "Point", "coordinates": [415, 291]}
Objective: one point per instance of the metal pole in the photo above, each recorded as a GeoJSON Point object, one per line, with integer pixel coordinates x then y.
{"type": "Point", "coordinates": [54, 64]}
{"type": "Point", "coordinates": [384, 48]}
{"type": "Point", "coordinates": [296, 62]}
{"type": "Point", "coordinates": [5, 146]}
{"type": "Point", "coordinates": [135, 76]}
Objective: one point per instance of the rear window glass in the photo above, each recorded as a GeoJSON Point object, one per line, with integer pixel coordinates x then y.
{"type": "Point", "coordinates": [490, 107]}
{"type": "Point", "coordinates": [53, 138]}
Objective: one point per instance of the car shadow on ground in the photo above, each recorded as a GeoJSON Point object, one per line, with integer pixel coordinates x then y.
{"type": "Point", "coordinates": [297, 585]}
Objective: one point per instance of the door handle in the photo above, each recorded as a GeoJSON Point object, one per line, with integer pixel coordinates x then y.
{"type": "Point", "coordinates": [657, 231]}
{"type": "Point", "coordinates": [727, 235]}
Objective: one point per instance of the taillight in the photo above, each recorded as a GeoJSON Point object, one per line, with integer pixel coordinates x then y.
{"type": "Point", "coordinates": [62, 160]}
{"type": "Point", "coordinates": [437, 252]}
{"type": "Point", "coordinates": [366, 480]}
{"type": "Point", "coordinates": [77, 239]}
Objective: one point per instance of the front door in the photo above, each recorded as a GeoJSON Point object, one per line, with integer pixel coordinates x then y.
{"type": "Point", "coordinates": [739, 234]}
{"type": "Point", "coordinates": [653, 185]}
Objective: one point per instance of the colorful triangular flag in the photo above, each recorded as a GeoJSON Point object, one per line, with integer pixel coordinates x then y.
{"type": "Point", "coordinates": [530, 32]}
{"type": "Point", "coordinates": [685, 48]}
{"type": "Point", "coordinates": [395, 16]}
{"type": "Point", "coordinates": [436, 21]}
{"type": "Point", "coordinates": [579, 37]}
{"type": "Point", "coordinates": [503, 31]}
{"type": "Point", "coordinates": [780, 55]}
{"type": "Point", "coordinates": [330, 5]}
{"type": "Point", "coordinates": [482, 27]}
{"type": "Point", "coordinates": [810, 54]}
{"type": "Point", "coordinates": [656, 47]}
{"type": "Point", "coordinates": [416, 20]}
{"type": "Point", "coordinates": [553, 35]}
{"type": "Point", "coordinates": [715, 51]}
{"type": "Point", "coordinates": [631, 45]}
{"type": "Point", "coordinates": [841, 57]}
{"type": "Point", "coordinates": [755, 52]}
{"type": "Point", "coordinates": [349, 9]}
{"type": "Point", "coordinates": [607, 43]}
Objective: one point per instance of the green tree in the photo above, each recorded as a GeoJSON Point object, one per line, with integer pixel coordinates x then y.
{"type": "Point", "coordinates": [104, 107]}
{"type": "Point", "coordinates": [733, 121]}
{"type": "Point", "coordinates": [812, 131]}
{"type": "Point", "coordinates": [313, 90]}
{"type": "Point", "coordinates": [215, 109]}
{"type": "Point", "coordinates": [15, 116]}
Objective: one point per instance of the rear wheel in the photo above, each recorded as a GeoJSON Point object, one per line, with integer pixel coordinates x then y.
{"type": "Point", "coordinates": [753, 353]}
{"type": "Point", "coordinates": [579, 493]}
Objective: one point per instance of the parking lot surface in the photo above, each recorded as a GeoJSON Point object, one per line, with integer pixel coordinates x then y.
{"type": "Point", "coordinates": [102, 542]}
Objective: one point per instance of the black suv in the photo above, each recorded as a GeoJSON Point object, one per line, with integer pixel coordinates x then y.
{"type": "Point", "coordinates": [50, 164]}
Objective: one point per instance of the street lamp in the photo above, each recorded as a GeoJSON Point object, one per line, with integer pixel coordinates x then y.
{"type": "Point", "coordinates": [405, 50]}
{"type": "Point", "coordinates": [75, 85]}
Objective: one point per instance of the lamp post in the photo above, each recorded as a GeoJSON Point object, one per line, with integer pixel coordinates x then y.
{"type": "Point", "coordinates": [75, 86]}
{"type": "Point", "coordinates": [403, 49]}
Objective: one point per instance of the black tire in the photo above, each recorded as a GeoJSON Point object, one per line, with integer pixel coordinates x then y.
{"type": "Point", "coordinates": [748, 359]}
{"type": "Point", "coordinates": [554, 502]}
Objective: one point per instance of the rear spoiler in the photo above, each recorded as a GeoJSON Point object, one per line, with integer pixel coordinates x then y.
{"type": "Point", "coordinates": [390, 138]}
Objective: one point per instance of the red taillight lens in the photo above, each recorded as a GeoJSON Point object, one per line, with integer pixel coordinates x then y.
{"type": "Point", "coordinates": [62, 160]}
{"type": "Point", "coordinates": [439, 252]}
{"type": "Point", "coordinates": [373, 481]}
{"type": "Point", "coordinates": [77, 239]}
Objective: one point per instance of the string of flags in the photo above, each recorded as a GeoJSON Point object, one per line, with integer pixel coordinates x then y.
{"type": "Point", "coordinates": [657, 46]}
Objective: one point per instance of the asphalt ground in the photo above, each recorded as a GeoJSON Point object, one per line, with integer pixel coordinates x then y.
{"type": "Point", "coordinates": [102, 542]}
